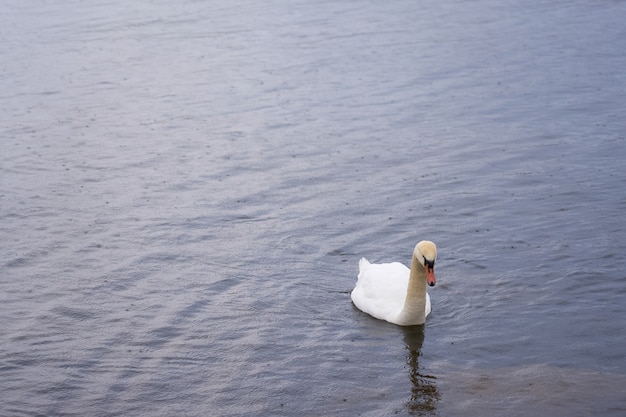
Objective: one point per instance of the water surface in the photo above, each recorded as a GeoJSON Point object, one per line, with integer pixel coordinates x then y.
{"type": "Point", "coordinates": [186, 189]}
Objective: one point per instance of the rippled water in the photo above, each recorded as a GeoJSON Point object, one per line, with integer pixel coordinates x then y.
{"type": "Point", "coordinates": [186, 189]}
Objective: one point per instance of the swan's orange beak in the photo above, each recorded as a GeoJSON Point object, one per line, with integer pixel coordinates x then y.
{"type": "Point", "coordinates": [430, 274]}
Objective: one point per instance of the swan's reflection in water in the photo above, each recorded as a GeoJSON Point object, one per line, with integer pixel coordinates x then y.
{"type": "Point", "coordinates": [424, 394]}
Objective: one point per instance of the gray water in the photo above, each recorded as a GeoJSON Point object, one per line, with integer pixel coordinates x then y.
{"type": "Point", "coordinates": [186, 189]}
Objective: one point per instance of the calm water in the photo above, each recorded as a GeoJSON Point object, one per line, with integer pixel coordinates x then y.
{"type": "Point", "coordinates": [186, 189]}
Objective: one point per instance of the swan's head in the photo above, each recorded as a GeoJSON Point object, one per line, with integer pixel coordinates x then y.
{"type": "Point", "coordinates": [426, 253]}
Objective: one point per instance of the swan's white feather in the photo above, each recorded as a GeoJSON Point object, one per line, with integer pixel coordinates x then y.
{"type": "Point", "coordinates": [381, 289]}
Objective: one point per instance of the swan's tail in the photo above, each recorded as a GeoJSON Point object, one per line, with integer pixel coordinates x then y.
{"type": "Point", "coordinates": [363, 265]}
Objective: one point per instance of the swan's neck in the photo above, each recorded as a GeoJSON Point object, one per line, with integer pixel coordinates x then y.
{"type": "Point", "coordinates": [414, 310]}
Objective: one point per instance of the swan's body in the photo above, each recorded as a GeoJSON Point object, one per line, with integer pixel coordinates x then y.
{"type": "Point", "coordinates": [395, 293]}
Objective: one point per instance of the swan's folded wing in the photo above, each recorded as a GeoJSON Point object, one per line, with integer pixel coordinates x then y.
{"type": "Point", "coordinates": [381, 289]}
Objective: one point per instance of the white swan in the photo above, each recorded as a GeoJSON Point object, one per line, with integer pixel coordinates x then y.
{"type": "Point", "coordinates": [395, 293]}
